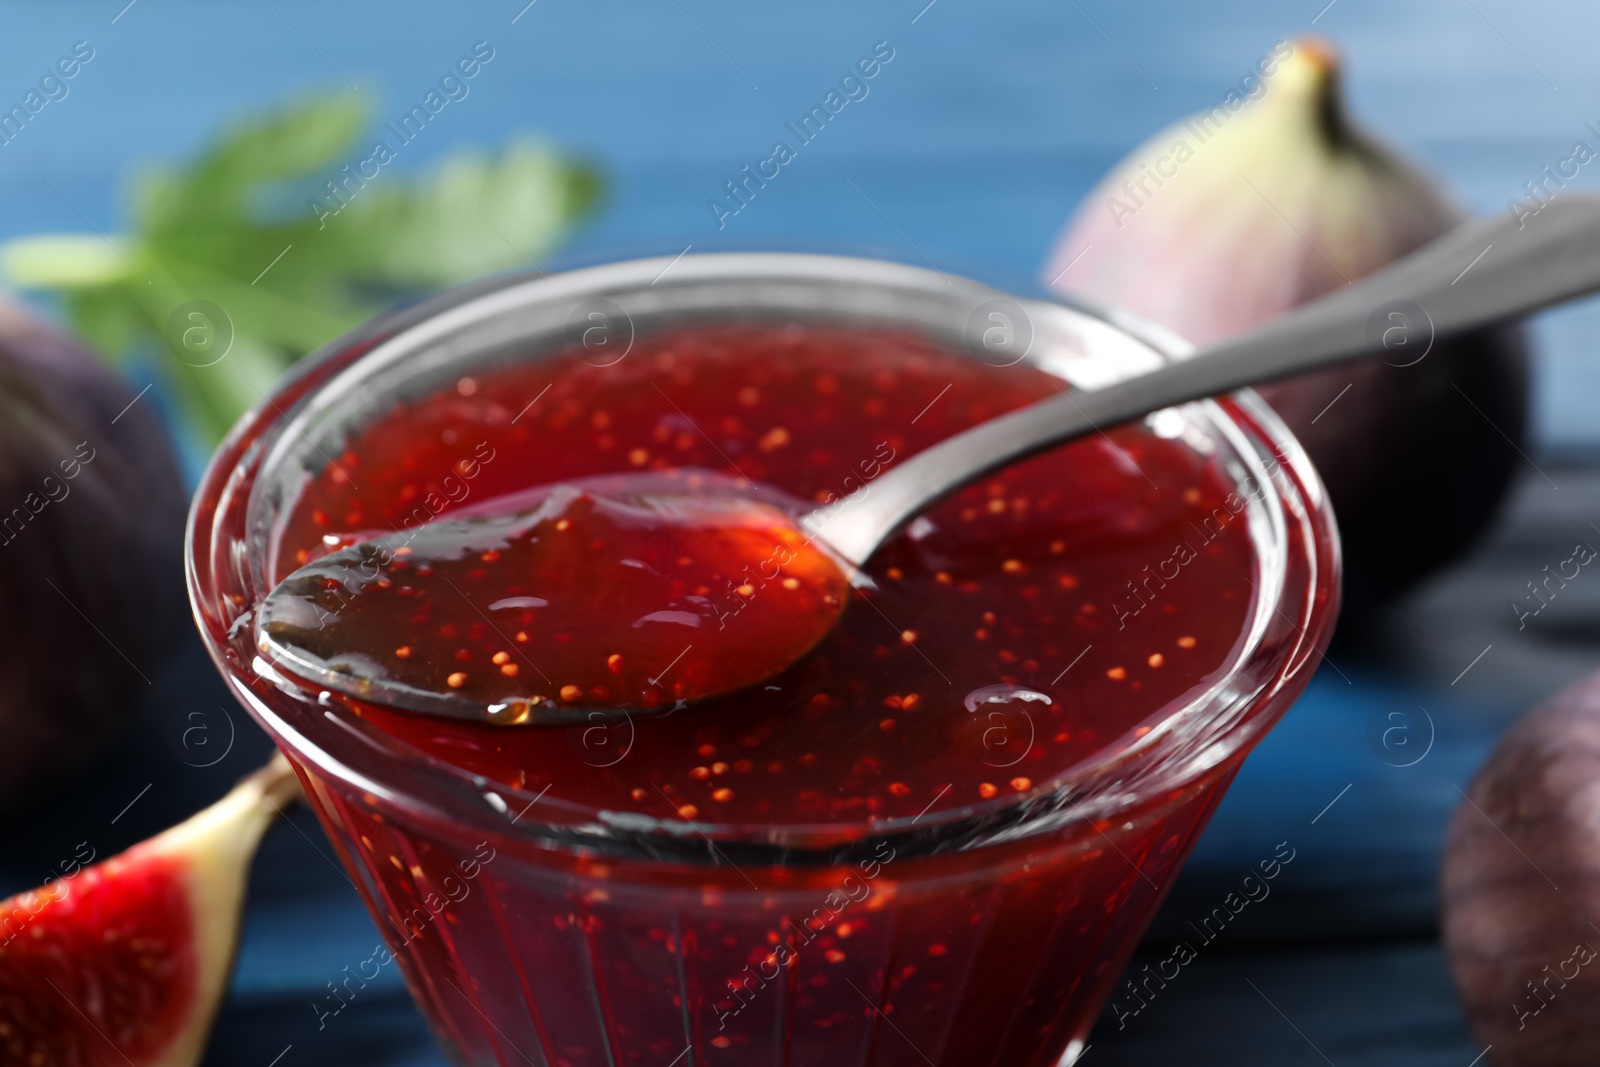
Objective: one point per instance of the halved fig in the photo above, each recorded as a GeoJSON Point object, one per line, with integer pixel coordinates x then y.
{"type": "Point", "coordinates": [124, 963]}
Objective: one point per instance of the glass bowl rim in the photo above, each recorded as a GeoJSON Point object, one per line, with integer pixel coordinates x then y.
{"type": "Point", "coordinates": [260, 434]}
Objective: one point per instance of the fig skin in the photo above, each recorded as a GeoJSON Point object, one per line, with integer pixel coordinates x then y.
{"type": "Point", "coordinates": [1504, 920]}
{"type": "Point", "coordinates": [1288, 200]}
{"type": "Point", "coordinates": [94, 578]}
{"type": "Point", "coordinates": [1415, 474]}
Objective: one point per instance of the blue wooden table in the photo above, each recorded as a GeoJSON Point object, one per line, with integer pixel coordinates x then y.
{"type": "Point", "coordinates": [973, 145]}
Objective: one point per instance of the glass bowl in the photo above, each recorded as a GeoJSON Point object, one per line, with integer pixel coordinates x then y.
{"type": "Point", "coordinates": [534, 930]}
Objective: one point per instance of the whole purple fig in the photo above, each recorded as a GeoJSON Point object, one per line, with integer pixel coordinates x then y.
{"type": "Point", "coordinates": [1270, 199]}
{"type": "Point", "coordinates": [1520, 888]}
{"type": "Point", "coordinates": [92, 509]}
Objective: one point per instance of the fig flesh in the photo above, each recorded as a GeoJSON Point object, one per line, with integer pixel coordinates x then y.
{"type": "Point", "coordinates": [124, 963]}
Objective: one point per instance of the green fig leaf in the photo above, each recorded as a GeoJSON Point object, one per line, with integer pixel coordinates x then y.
{"type": "Point", "coordinates": [292, 142]}
{"type": "Point", "coordinates": [107, 318]}
{"type": "Point", "coordinates": [474, 216]}
{"type": "Point", "coordinates": [63, 261]}
{"type": "Point", "coordinates": [251, 226]}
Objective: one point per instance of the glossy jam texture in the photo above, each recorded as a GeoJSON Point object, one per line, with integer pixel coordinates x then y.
{"type": "Point", "coordinates": [1015, 630]}
{"type": "Point", "coordinates": [639, 591]}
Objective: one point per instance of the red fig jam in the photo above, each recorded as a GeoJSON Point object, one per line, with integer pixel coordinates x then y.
{"type": "Point", "coordinates": [932, 839]}
{"type": "Point", "coordinates": [1009, 634]}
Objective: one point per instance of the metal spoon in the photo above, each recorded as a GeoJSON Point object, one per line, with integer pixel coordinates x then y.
{"type": "Point", "coordinates": [1481, 273]}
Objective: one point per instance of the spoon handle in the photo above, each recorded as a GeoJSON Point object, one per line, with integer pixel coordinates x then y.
{"type": "Point", "coordinates": [1484, 271]}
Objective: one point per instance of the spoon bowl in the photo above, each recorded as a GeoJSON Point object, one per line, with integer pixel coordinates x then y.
{"type": "Point", "coordinates": [635, 593]}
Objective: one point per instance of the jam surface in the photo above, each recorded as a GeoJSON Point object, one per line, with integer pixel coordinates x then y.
{"type": "Point", "coordinates": [1015, 630]}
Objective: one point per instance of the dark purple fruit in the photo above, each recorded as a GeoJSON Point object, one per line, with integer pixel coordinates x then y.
{"type": "Point", "coordinates": [1416, 459]}
{"type": "Point", "coordinates": [1521, 888]}
{"type": "Point", "coordinates": [91, 535]}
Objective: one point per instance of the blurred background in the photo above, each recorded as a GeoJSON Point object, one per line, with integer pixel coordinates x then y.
{"type": "Point", "coordinates": [978, 140]}
{"type": "Point", "coordinates": [976, 143]}
{"type": "Point", "coordinates": [971, 150]}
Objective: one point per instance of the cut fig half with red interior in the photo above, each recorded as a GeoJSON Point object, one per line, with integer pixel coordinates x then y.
{"type": "Point", "coordinates": [124, 963]}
